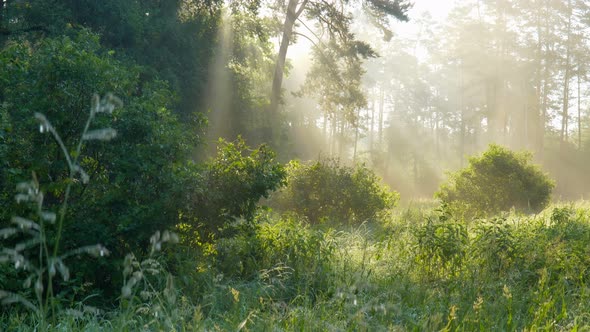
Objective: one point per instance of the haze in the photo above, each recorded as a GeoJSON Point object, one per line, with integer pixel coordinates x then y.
{"type": "Point", "coordinates": [456, 77]}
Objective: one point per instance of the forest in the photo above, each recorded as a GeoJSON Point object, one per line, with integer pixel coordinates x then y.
{"type": "Point", "coordinates": [294, 165]}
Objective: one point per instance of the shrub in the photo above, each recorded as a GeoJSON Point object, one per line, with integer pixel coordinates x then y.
{"type": "Point", "coordinates": [495, 245]}
{"type": "Point", "coordinates": [496, 181]}
{"type": "Point", "coordinates": [441, 244]}
{"type": "Point", "coordinates": [229, 187]}
{"type": "Point", "coordinates": [133, 189]}
{"type": "Point", "coordinates": [36, 251]}
{"type": "Point", "coordinates": [325, 189]}
{"type": "Point", "coordinates": [286, 253]}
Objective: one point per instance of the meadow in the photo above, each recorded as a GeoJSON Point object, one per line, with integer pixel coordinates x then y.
{"type": "Point", "coordinates": [414, 269]}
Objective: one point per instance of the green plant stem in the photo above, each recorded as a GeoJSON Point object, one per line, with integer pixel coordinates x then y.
{"type": "Point", "coordinates": [71, 164]}
{"type": "Point", "coordinates": [64, 207]}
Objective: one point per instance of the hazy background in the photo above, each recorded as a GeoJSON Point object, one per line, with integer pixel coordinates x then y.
{"type": "Point", "coordinates": [460, 75]}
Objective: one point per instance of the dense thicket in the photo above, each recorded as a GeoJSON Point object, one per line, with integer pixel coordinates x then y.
{"type": "Point", "coordinates": [227, 188]}
{"type": "Point", "coordinates": [133, 189]}
{"type": "Point", "coordinates": [173, 40]}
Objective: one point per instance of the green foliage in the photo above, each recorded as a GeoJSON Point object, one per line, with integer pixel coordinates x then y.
{"type": "Point", "coordinates": [326, 189]}
{"type": "Point", "coordinates": [251, 59]}
{"type": "Point", "coordinates": [174, 40]}
{"type": "Point", "coordinates": [496, 245]}
{"type": "Point", "coordinates": [286, 274]}
{"type": "Point", "coordinates": [496, 181]}
{"type": "Point", "coordinates": [229, 187]}
{"type": "Point", "coordinates": [135, 186]}
{"type": "Point", "coordinates": [148, 289]}
{"type": "Point", "coordinates": [36, 248]}
{"type": "Point", "coordinates": [441, 245]}
{"type": "Point", "coordinates": [287, 252]}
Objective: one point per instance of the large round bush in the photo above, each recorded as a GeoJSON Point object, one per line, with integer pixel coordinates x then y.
{"type": "Point", "coordinates": [326, 189]}
{"type": "Point", "coordinates": [496, 181]}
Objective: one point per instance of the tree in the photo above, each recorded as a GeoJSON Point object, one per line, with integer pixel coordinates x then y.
{"type": "Point", "coordinates": [326, 189]}
{"type": "Point", "coordinates": [331, 16]}
{"type": "Point", "coordinates": [335, 79]}
{"type": "Point", "coordinates": [227, 188]}
{"type": "Point", "coordinates": [173, 40]}
{"type": "Point", "coordinates": [240, 76]}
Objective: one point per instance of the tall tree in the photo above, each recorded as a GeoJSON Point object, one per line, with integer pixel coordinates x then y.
{"type": "Point", "coordinates": [327, 14]}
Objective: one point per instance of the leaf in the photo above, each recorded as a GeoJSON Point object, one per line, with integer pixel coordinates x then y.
{"type": "Point", "coordinates": [24, 223]}
{"type": "Point", "coordinates": [48, 216]}
{"type": "Point", "coordinates": [105, 134]}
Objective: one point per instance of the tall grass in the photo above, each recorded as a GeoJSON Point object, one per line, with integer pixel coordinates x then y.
{"type": "Point", "coordinates": [516, 273]}
{"type": "Point", "coordinates": [33, 252]}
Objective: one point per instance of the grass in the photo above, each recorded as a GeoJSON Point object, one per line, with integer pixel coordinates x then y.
{"type": "Point", "coordinates": [373, 278]}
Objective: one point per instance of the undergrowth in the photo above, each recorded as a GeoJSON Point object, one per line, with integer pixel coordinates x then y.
{"type": "Point", "coordinates": [411, 268]}
{"type": "Point", "coordinates": [420, 271]}
{"type": "Point", "coordinates": [512, 272]}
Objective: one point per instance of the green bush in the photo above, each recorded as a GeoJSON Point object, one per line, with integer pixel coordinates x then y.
{"type": "Point", "coordinates": [496, 181]}
{"type": "Point", "coordinates": [326, 189]}
{"type": "Point", "coordinates": [134, 188]}
{"type": "Point", "coordinates": [229, 187]}
{"type": "Point", "coordinates": [495, 245]}
{"type": "Point", "coordinates": [288, 253]}
{"type": "Point", "coordinates": [441, 245]}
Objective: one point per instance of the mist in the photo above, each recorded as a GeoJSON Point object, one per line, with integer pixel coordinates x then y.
{"type": "Point", "coordinates": [442, 87]}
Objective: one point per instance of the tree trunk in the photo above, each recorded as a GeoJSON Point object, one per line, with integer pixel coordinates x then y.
{"type": "Point", "coordinates": [579, 112]}
{"type": "Point", "coordinates": [566, 79]}
{"type": "Point", "coordinates": [381, 101]}
{"type": "Point", "coordinates": [372, 131]}
{"type": "Point", "coordinates": [292, 15]}
{"type": "Point", "coordinates": [540, 133]}
{"type": "Point", "coordinates": [356, 134]}
{"type": "Point", "coordinates": [437, 133]}
{"type": "Point", "coordinates": [341, 137]}
{"type": "Point", "coordinates": [462, 120]}
{"type": "Point", "coordinates": [326, 137]}
{"type": "Point", "coordinates": [333, 139]}
{"type": "Point", "coordinates": [526, 114]}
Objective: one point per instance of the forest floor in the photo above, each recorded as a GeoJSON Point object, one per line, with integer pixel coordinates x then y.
{"type": "Point", "coordinates": [415, 270]}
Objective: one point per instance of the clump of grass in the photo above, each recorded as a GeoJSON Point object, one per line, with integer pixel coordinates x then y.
{"type": "Point", "coordinates": [148, 289]}
{"type": "Point", "coordinates": [33, 251]}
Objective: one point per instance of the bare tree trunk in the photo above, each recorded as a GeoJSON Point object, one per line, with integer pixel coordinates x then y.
{"type": "Point", "coordinates": [462, 141]}
{"type": "Point", "coordinates": [333, 138]}
{"type": "Point", "coordinates": [342, 137]}
{"type": "Point", "coordinates": [579, 112]}
{"type": "Point", "coordinates": [356, 134]}
{"type": "Point", "coordinates": [545, 98]}
{"type": "Point", "coordinates": [566, 80]}
{"type": "Point", "coordinates": [292, 14]}
{"type": "Point", "coordinates": [381, 107]}
{"type": "Point", "coordinates": [462, 110]}
{"type": "Point", "coordinates": [415, 171]}
{"type": "Point", "coordinates": [540, 98]}
{"type": "Point", "coordinates": [437, 133]}
{"type": "Point", "coordinates": [326, 138]}
{"type": "Point", "coordinates": [372, 126]}
{"type": "Point", "coordinates": [526, 118]}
